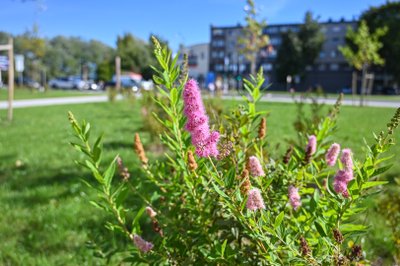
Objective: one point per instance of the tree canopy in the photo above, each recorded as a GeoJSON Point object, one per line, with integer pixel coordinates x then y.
{"type": "Point", "coordinates": [387, 15]}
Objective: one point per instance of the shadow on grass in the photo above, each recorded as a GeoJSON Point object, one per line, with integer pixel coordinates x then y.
{"type": "Point", "coordinates": [114, 145]}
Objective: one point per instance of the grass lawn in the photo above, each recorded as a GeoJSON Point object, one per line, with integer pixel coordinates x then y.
{"type": "Point", "coordinates": [25, 93]}
{"type": "Point", "coordinates": [46, 218]}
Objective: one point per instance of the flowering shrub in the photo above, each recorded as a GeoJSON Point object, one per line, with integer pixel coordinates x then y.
{"type": "Point", "coordinates": [219, 198]}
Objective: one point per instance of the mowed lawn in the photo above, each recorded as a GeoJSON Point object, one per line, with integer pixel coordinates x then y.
{"type": "Point", "coordinates": [26, 93]}
{"type": "Point", "coordinates": [45, 215]}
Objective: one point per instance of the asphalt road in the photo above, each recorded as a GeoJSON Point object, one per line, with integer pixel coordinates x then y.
{"type": "Point", "coordinates": [103, 98]}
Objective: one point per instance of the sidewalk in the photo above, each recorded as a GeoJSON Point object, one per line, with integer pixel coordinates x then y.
{"type": "Point", "coordinates": [266, 98]}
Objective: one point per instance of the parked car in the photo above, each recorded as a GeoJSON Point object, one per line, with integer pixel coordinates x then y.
{"type": "Point", "coordinates": [68, 83]}
{"type": "Point", "coordinates": [28, 82]}
{"type": "Point", "coordinates": [129, 84]}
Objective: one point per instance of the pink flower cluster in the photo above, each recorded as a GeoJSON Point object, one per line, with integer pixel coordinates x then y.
{"type": "Point", "coordinates": [197, 122]}
{"type": "Point", "coordinates": [332, 154]}
{"type": "Point", "coordinates": [294, 197]}
{"type": "Point", "coordinates": [312, 145]}
{"type": "Point", "coordinates": [344, 176]}
{"type": "Point", "coordinates": [255, 167]}
{"type": "Point", "coordinates": [255, 200]}
{"type": "Point", "coordinates": [142, 244]}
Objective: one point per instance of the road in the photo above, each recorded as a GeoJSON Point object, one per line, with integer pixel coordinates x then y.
{"type": "Point", "coordinates": [282, 98]}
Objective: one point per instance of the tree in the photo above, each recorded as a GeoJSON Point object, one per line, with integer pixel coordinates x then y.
{"type": "Point", "coordinates": [362, 50]}
{"type": "Point", "coordinates": [387, 15]}
{"type": "Point", "coordinates": [311, 39]}
{"type": "Point", "coordinates": [299, 50]}
{"type": "Point", "coordinates": [134, 53]}
{"type": "Point", "coordinates": [253, 37]}
{"type": "Point", "coordinates": [289, 58]}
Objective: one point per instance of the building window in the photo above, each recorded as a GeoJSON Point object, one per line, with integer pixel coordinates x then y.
{"type": "Point", "coordinates": [336, 29]}
{"type": "Point", "coordinates": [333, 54]}
{"type": "Point", "coordinates": [322, 54]}
{"type": "Point", "coordinates": [335, 39]}
{"type": "Point", "coordinates": [275, 41]}
{"type": "Point", "coordinates": [322, 67]}
{"type": "Point", "coordinates": [202, 55]}
{"type": "Point", "coordinates": [221, 54]}
{"type": "Point", "coordinates": [334, 67]}
{"type": "Point", "coordinates": [267, 66]}
{"type": "Point", "coordinates": [309, 68]}
{"type": "Point", "coordinates": [214, 54]}
{"type": "Point", "coordinates": [219, 67]}
{"type": "Point", "coordinates": [218, 32]}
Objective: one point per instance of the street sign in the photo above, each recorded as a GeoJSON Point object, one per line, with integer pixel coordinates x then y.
{"type": "Point", "coordinates": [3, 62]}
{"type": "Point", "coordinates": [19, 62]}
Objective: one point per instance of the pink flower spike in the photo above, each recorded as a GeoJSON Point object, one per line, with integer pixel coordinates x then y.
{"type": "Point", "coordinates": [197, 122]}
{"type": "Point", "coordinates": [150, 212]}
{"type": "Point", "coordinates": [332, 154]}
{"type": "Point", "coordinates": [142, 244]}
{"type": "Point", "coordinates": [255, 167]}
{"type": "Point", "coordinates": [346, 160]}
{"type": "Point", "coordinates": [294, 197]}
{"type": "Point", "coordinates": [255, 200]}
{"type": "Point", "coordinates": [312, 145]}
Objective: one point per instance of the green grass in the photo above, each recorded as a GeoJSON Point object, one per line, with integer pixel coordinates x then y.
{"type": "Point", "coordinates": [25, 93]}
{"type": "Point", "coordinates": [46, 218]}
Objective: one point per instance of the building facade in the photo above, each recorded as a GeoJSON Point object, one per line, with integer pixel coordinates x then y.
{"type": "Point", "coordinates": [198, 60]}
{"type": "Point", "coordinates": [330, 71]}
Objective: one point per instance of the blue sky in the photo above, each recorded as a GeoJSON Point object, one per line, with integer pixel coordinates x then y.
{"type": "Point", "coordinates": [178, 21]}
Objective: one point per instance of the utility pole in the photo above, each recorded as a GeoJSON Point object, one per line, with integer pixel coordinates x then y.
{"type": "Point", "coordinates": [118, 73]}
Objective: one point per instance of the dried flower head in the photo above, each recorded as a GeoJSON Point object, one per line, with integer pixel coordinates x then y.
{"type": "Point", "coordinates": [255, 167]}
{"type": "Point", "coordinates": [355, 253]}
{"type": "Point", "coordinates": [139, 150]}
{"type": "Point", "coordinates": [197, 122]}
{"type": "Point", "coordinates": [142, 244]}
{"type": "Point", "coordinates": [262, 128]}
{"type": "Point", "coordinates": [123, 171]}
{"type": "Point", "coordinates": [337, 235]}
{"type": "Point", "coordinates": [225, 148]}
{"type": "Point", "coordinates": [311, 148]}
{"type": "Point", "coordinates": [157, 228]}
{"type": "Point", "coordinates": [255, 200]}
{"type": "Point", "coordinates": [191, 161]}
{"type": "Point", "coordinates": [150, 212]}
{"type": "Point", "coordinates": [246, 185]}
{"type": "Point", "coordinates": [332, 154]}
{"type": "Point", "coordinates": [288, 155]}
{"type": "Point", "coordinates": [294, 197]}
{"type": "Point", "coordinates": [304, 248]}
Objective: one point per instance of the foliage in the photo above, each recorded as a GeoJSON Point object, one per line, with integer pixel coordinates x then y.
{"type": "Point", "coordinates": [382, 16]}
{"type": "Point", "coordinates": [201, 215]}
{"type": "Point", "coordinates": [311, 38]}
{"type": "Point", "coordinates": [367, 46]}
{"type": "Point", "coordinates": [288, 61]}
{"type": "Point", "coordinates": [253, 38]}
{"type": "Point", "coordinates": [299, 50]}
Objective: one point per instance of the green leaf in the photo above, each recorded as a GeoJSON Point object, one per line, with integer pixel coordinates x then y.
{"type": "Point", "coordinates": [320, 228]}
{"type": "Point", "coordinates": [223, 248]}
{"type": "Point", "coordinates": [219, 191]}
{"type": "Point", "coordinates": [279, 219]}
{"type": "Point", "coordinates": [174, 96]}
{"type": "Point", "coordinates": [373, 184]}
{"type": "Point", "coordinates": [109, 174]}
{"type": "Point", "coordinates": [95, 171]}
{"type": "Point", "coordinates": [135, 221]}
{"type": "Point", "coordinates": [381, 170]}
